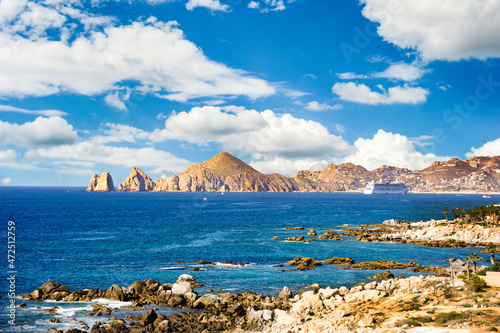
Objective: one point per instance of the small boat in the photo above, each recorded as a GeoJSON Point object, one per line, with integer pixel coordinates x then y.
{"type": "Point", "coordinates": [486, 196]}
{"type": "Point", "coordinates": [204, 199]}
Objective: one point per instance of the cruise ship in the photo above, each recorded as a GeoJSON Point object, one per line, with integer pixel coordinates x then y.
{"type": "Point", "coordinates": [386, 188]}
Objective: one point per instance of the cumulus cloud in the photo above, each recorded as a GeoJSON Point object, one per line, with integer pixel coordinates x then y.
{"type": "Point", "coordinates": [491, 148]}
{"type": "Point", "coordinates": [286, 166]}
{"type": "Point", "coordinates": [46, 113]}
{"type": "Point", "coordinates": [253, 132]}
{"type": "Point", "coordinates": [386, 148]}
{"type": "Point", "coordinates": [361, 93]}
{"type": "Point", "coordinates": [213, 5]}
{"type": "Point", "coordinates": [266, 6]}
{"type": "Point", "coordinates": [316, 106]}
{"type": "Point", "coordinates": [85, 152]}
{"type": "Point", "coordinates": [96, 61]}
{"type": "Point", "coordinates": [439, 30]}
{"type": "Point", "coordinates": [42, 131]}
{"type": "Point", "coordinates": [7, 156]}
{"type": "Point", "coordinates": [253, 5]}
{"type": "Point", "coordinates": [114, 100]}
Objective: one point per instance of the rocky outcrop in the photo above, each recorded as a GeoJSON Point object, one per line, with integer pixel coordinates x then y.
{"type": "Point", "coordinates": [137, 181]}
{"type": "Point", "coordinates": [103, 183]}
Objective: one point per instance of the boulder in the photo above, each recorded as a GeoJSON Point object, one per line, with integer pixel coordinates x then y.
{"type": "Point", "coordinates": [309, 302]}
{"type": "Point", "coordinates": [363, 296]}
{"type": "Point", "coordinates": [367, 320]}
{"type": "Point", "coordinates": [137, 288]}
{"type": "Point", "coordinates": [284, 318]}
{"type": "Point", "coordinates": [149, 317]}
{"type": "Point", "coordinates": [305, 262]}
{"type": "Point", "coordinates": [254, 314]}
{"type": "Point", "coordinates": [340, 261]}
{"type": "Point", "coordinates": [343, 291]}
{"type": "Point", "coordinates": [49, 286]}
{"type": "Point", "coordinates": [382, 276]}
{"type": "Point", "coordinates": [186, 278]}
{"type": "Point", "coordinates": [207, 300]}
{"type": "Point", "coordinates": [115, 293]}
{"type": "Point", "coordinates": [182, 288]}
{"type": "Point", "coordinates": [286, 293]}
{"type": "Point", "coordinates": [328, 293]}
{"type": "Point", "coordinates": [267, 314]}
{"type": "Point", "coordinates": [312, 232]}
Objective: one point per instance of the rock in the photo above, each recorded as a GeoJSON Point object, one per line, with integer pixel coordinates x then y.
{"type": "Point", "coordinates": [115, 293]}
{"type": "Point", "coordinates": [305, 262]}
{"type": "Point", "coordinates": [137, 288]}
{"type": "Point", "coordinates": [309, 302]}
{"type": "Point", "coordinates": [162, 325]}
{"type": "Point", "coordinates": [49, 286]}
{"type": "Point", "coordinates": [99, 310]}
{"type": "Point", "coordinates": [340, 261]}
{"type": "Point", "coordinates": [207, 300]}
{"type": "Point", "coordinates": [312, 232]}
{"type": "Point", "coordinates": [137, 181]}
{"type": "Point", "coordinates": [254, 314]}
{"type": "Point", "coordinates": [362, 296]}
{"type": "Point", "coordinates": [267, 314]}
{"type": "Point", "coordinates": [314, 286]}
{"type": "Point", "coordinates": [382, 276]}
{"type": "Point", "coordinates": [236, 310]}
{"type": "Point", "coordinates": [22, 305]}
{"type": "Point", "coordinates": [343, 291]}
{"type": "Point", "coordinates": [186, 278]}
{"type": "Point", "coordinates": [367, 320]}
{"type": "Point", "coordinates": [93, 182]}
{"type": "Point", "coordinates": [204, 262]}
{"type": "Point", "coordinates": [149, 317]}
{"type": "Point", "coordinates": [103, 183]}
{"type": "Point", "coordinates": [275, 238]}
{"type": "Point", "coordinates": [182, 288]}
{"type": "Point", "coordinates": [285, 293]}
{"type": "Point", "coordinates": [328, 293]}
{"type": "Point", "coordinates": [284, 318]}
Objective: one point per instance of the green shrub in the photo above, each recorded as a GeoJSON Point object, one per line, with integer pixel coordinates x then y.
{"type": "Point", "coordinates": [495, 267]}
{"type": "Point", "coordinates": [443, 318]}
{"type": "Point", "coordinates": [475, 284]}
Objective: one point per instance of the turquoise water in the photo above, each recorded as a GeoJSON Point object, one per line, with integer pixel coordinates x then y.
{"type": "Point", "coordinates": [94, 240]}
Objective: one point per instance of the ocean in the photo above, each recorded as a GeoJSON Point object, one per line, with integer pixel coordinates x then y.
{"type": "Point", "coordinates": [94, 240]}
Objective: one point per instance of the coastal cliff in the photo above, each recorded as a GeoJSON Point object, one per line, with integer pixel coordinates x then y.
{"type": "Point", "coordinates": [224, 172]}
{"type": "Point", "coordinates": [137, 181]}
{"type": "Point", "coordinates": [103, 183]}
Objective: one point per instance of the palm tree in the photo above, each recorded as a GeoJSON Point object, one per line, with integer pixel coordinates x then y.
{"type": "Point", "coordinates": [473, 258]}
{"type": "Point", "coordinates": [451, 266]}
{"type": "Point", "coordinates": [467, 260]}
{"type": "Point", "coordinates": [491, 249]}
{"type": "Point", "coordinates": [446, 211]}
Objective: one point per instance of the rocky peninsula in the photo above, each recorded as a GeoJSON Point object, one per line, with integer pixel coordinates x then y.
{"type": "Point", "coordinates": [427, 302]}
{"type": "Point", "coordinates": [225, 172]}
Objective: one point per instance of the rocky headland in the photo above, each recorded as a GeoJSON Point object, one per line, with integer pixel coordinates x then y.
{"type": "Point", "coordinates": [225, 172]}
{"type": "Point", "coordinates": [103, 183]}
{"type": "Point", "coordinates": [389, 305]}
{"type": "Point", "coordinates": [137, 181]}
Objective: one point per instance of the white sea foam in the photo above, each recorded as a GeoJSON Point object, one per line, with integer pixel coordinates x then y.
{"type": "Point", "coordinates": [112, 304]}
{"type": "Point", "coordinates": [171, 268]}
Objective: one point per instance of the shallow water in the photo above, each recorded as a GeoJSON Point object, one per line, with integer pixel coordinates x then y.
{"type": "Point", "coordinates": [94, 240]}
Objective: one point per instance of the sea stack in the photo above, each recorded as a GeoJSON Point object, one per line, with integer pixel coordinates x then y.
{"type": "Point", "coordinates": [137, 181]}
{"type": "Point", "coordinates": [103, 183]}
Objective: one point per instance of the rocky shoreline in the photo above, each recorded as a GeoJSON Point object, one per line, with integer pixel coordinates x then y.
{"type": "Point", "coordinates": [433, 233]}
{"type": "Point", "coordinates": [379, 306]}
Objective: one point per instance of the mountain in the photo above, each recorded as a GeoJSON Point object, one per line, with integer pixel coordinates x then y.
{"type": "Point", "coordinates": [137, 181]}
{"type": "Point", "coordinates": [224, 172]}
{"type": "Point", "coordinates": [103, 183]}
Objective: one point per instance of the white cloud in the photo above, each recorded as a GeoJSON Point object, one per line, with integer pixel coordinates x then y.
{"type": "Point", "coordinates": [115, 101]}
{"type": "Point", "coordinates": [96, 153]}
{"type": "Point", "coordinates": [94, 63]}
{"type": "Point", "coordinates": [42, 131]}
{"type": "Point", "coordinates": [286, 166]}
{"type": "Point", "coordinates": [46, 113]}
{"type": "Point", "coordinates": [351, 76]}
{"type": "Point", "coordinates": [491, 148]}
{"type": "Point", "coordinates": [5, 181]}
{"type": "Point", "coordinates": [213, 5]}
{"type": "Point", "coordinates": [7, 156]}
{"type": "Point", "coordinates": [400, 71]}
{"type": "Point", "coordinates": [120, 133]}
{"type": "Point", "coordinates": [253, 5]}
{"type": "Point", "coordinates": [391, 149]}
{"type": "Point", "coordinates": [252, 132]}
{"type": "Point", "coordinates": [445, 30]}
{"type": "Point", "coordinates": [361, 93]}
{"type": "Point", "coordinates": [316, 106]}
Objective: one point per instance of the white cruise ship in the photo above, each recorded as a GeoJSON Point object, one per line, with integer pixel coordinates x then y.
{"type": "Point", "coordinates": [386, 188]}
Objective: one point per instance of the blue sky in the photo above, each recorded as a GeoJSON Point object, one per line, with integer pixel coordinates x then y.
{"type": "Point", "coordinates": [105, 85]}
